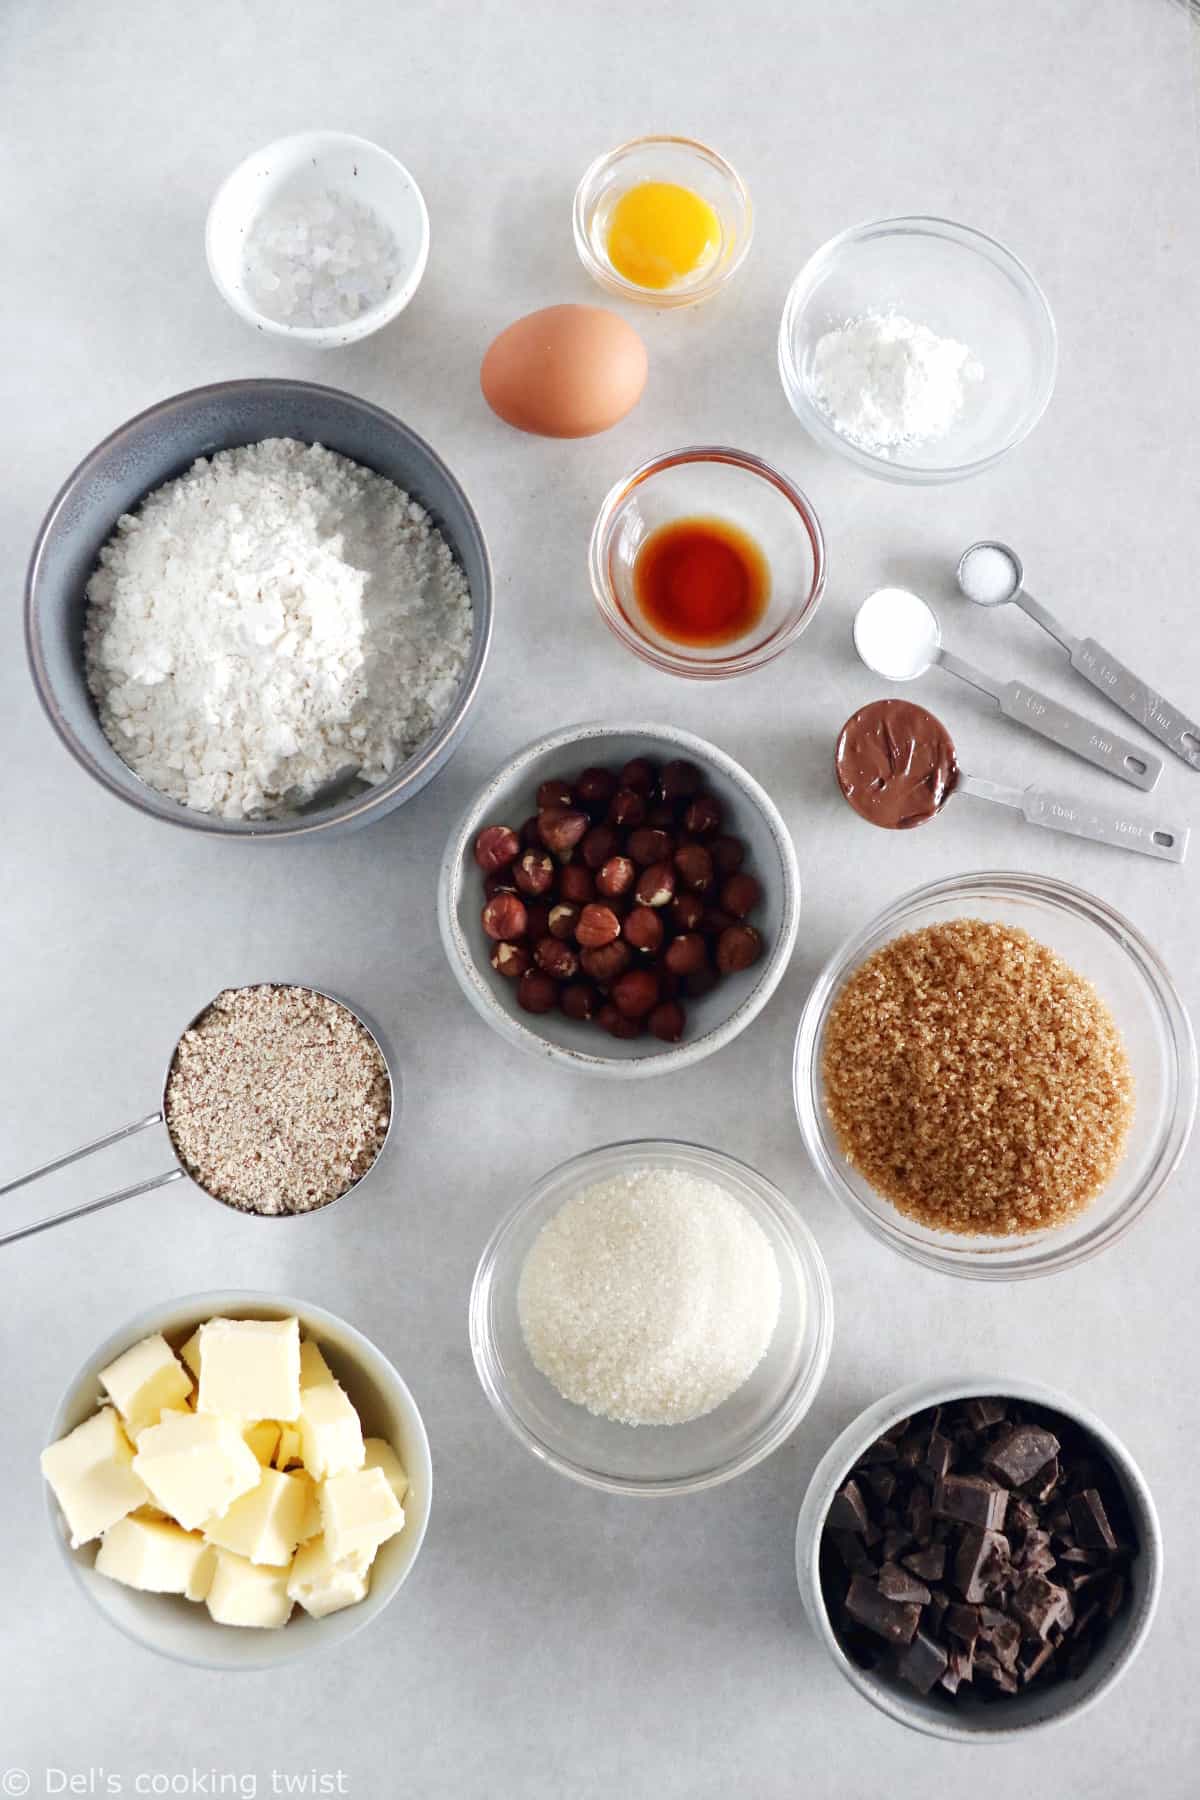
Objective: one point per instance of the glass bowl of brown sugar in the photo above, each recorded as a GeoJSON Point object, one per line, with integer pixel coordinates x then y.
{"type": "Point", "coordinates": [996, 1075]}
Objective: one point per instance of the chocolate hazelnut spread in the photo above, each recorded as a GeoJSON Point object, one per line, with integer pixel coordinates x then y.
{"type": "Point", "coordinates": [895, 764]}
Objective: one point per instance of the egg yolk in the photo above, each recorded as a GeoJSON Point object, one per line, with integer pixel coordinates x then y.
{"type": "Point", "coordinates": [659, 233]}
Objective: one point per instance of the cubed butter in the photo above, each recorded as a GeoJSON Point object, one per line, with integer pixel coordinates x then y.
{"type": "Point", "coordinates": [157, 1557]}
{"type": "Point", "coordinates": [359, 1512]}
{"type": "Point", "coordinates": [331, 1439]}
{"type": "Point", "coordinates": [314, 1370]}
{"type": "Point", "coordinates": [195, 1466]}
{"type": "Point", "coordinates": [264, 1525]}
{"type": "Point", "coordinates": [144, 1380]}
{"type": "Point", "coordinates": [246, 1593]}
{"type": "Point", "coordinates": [191, 1352]}
{"type": "Point", "coordinates": [310, 1524]}
{"type": "Point", "coordinates": [288, 1453]}
{"type": "Point", "coordinates": [323, 1586]}
{"type": "Point", "coordinates": [250, 1368]}
{"type": "Point", "coordinates": [263, 1439]}
{"type": "Point", "coordinates": [378, 1454]}
{"type": "Point", "coordinates": [91, 1472]}
{"type": "Point", "coordinates": [168, 1412]}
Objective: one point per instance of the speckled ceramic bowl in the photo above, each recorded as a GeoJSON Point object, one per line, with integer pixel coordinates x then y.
{"type": "Point", "coordinates": [508, 797]}
{"type": "Point", "coordinates": [162, 443]}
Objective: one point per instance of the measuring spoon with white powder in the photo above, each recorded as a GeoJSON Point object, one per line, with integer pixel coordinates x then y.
{"type": "Point", "coordinates": [898, 636]}
{"type": "Point", "coordinates": [990, 574]}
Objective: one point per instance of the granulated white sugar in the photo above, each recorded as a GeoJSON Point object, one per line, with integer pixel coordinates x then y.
{"type": "Point", "coordinates": [650, 1297]}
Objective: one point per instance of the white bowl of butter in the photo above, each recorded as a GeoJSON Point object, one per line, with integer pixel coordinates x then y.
{"type": "Point", "coordinates": [171, 1623]}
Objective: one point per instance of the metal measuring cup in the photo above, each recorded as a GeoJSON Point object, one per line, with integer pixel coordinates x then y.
{"type": "Point", "coordinates": [159, 1117]}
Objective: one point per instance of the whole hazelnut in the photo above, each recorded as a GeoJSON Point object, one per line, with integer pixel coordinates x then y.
{"type": "Point", "coordinates": [575, 884]}
{"type": "Point", "coordinates": [564, 917]}
{"type": "Point", "coordinates": [686, 954]}
{"type": "Point", "coordinates": [499, 883]}
{"type": "Point", "coordinates": [599, 844]}
{"type": "Point", "coordinates": [536, 993]}
{"type": "Point", "coordinates": [554, 793]}
{"type": "Point", "coordinates": [531, 834]}
{"type": "Point", "coordinates": [635, 993]}
{"type": "Point", "coordinates": [628, 809]}
{"type": "Point", "coordinates": [597, 925]}
{"type": "Point", "coordinates": [647, 846]}
{"type": "Point", "coordinates": [695, 867]}
{"type": "Point", "coordinates": [655, 885]}
{"type": "Point", "coordinates": [715, 921]}
{"type": "Point", "coordinates": [661, 816]}
{"type": "Point", "coordinates": [703, 815]}
{"type": "Point", "coordinates": [495, 847]}
{"type": "Point", "coordinates": [644, 929]}
{"type": "Point", "coordinates": [505, 917]}
{"type": "Point", "coordinates": [579, 1000]}
{"type": "Point", "coordinates": [667, 1021]}
{"type": "Point", "coordinates": [594, 790]}
{"type": "Point", "coordinates": [616, 877]}
{"type": "Point", "coordinates": [701, 983]}
{"type": "Point", "coordinates": [687, 910]}
{"type": "Point", "coordinates": [533, 873]}
{"type": "Point", "coordinates": [606, 961]}
{"type": "Point", "coordinates": [556, 958]}
{"type": "Point", "coordinates": [510, 960]}
{"type": "Point", "coordinates": [561, 828]}
{"type": "Point", "coordinates": [737, 949]}
{"type": "Point", "coordinates": [616, 1023]}
{"type": "Point", "coordinates": [638, 775]}
{"type": "Point", "coordinates": [740, 894]}
{"type": "Point", "coordinates": [728, 854]}
{"type": "Point", "coordinates": [537, 919]}
{"type": "Point", "coordinates": [680, 781]}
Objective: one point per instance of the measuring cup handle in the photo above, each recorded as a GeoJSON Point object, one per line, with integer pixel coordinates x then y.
{"type": "Point", "coordinates": [1108, 750]}
{"type": "Point", "coordinates": [1058, 812]}
{"type": "Point", "coordinates": [1119, 684]}
{"type": "Point", "coordinates": [100, 1143]}
{"type": "Point", "coordinates": [91, 1206]}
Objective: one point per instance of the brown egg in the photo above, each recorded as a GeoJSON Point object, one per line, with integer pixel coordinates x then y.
{"type": "Point", "coordinates": [567, 371]}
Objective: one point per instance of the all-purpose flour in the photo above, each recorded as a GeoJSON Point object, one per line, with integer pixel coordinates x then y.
{"type": "Point", "coordinates": [273, 618]}
{"type": "Point", "coordinates": [885, 382]}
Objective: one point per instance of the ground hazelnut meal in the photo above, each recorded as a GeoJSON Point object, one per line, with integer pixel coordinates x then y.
{"type": "Point", "coordinates": [976, 1080]}
{"type": "Point", "coordinates": [276, 622]}
{"type": "Point", "coordinates": [278, 1100]}
{"type": "Point", "coordinates": [650, 1297]}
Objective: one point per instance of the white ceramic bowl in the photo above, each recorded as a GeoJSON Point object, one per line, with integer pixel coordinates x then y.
{"type": "Point", "coordinates": [182, 1630]}
{"type": "Point", "coordinates": [972, 1721]}
{"type": "Point", "coordinates": [508, 797]}
{"type": "Point", "coordinates": [291, 169]}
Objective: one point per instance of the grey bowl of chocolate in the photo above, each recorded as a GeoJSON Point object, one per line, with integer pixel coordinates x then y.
{"type": "Point", "coordinates": [979, 1558]}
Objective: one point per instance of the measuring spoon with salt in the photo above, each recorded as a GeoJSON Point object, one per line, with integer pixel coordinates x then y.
{"type": "Point", "coordinates": [898, 636]}
{"type": "Point", "coordinates": [991, 574]}
{"type": "Point", "coordinates": [897, 766]}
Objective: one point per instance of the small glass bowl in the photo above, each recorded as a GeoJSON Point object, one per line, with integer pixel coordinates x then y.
{"type": "Point", "coordinates": [1101, 945]}
{"type": "Point", "coordinates": [690, 164]}
{"type": "Point", "coordinates": [961, 284]}
{"type": "Point", "coordinates": [709, 481]}
{"type": "Point", "coordinates": [654, 1459]}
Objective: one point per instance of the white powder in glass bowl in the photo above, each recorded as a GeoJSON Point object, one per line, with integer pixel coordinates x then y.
{"type": "Point", "coordinates": [650, 1297]}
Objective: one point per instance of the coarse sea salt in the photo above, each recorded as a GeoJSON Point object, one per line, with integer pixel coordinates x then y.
{"type": "Point", "coordinates": [321, 261]}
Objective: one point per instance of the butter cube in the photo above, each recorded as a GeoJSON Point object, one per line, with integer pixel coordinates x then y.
{"type": "Point", "coordinates": [331, 1439]}
{"type": "Point", "coordinates": [288, 1452]}
{"type": "Point", "coordinates": [310, 1524]}
{"type": "Point", "coordinates": [92, 1475]}
{"type": "Point", "coordinates": [380, 1455]}
{"type": "Point", "coordinates": [246, 1593]}
{"type": "Point", "coordinates": [314, 1370]}
{"type": "Point", "coordinates": [168, 1412]}
{"type": "Point", "coordinates": [359, 1512]}
{"type": "Point", "coordinates": [195, 1466]}
{"type": "Point", "coordinates": [159, 1558]}
{"type": "Point", "coordinates": [323, 1586]}
{"type": "Point", "coordinates": [191, 1353]}
{"type": "Point", "coordinates": [250, 1368]}
{"type": "Point", "coordinates": [264, 1525]}
{"type": "Point", "coordinates": [263, 1439]}
{"type": "Point", "coordinates": [144, 1380]}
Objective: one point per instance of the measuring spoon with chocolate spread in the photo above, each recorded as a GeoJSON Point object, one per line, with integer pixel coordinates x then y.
{"type": "Point", "coordinates": [897, 766]}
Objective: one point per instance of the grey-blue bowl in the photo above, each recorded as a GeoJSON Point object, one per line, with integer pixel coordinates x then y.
{"type": "Point", "coordinates": [160, 444]}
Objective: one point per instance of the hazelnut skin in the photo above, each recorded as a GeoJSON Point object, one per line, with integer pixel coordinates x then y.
{"type": "Point", "coordinates": [686, 954]}
{"type": "Point", "coordinates": [531, 834]}
{"type": "Point", "coordinates": [575, 884]}
{"type": "Point", "coordinates": [628, 809]}
{"type": "Point", "coordinates": [737, 948]}
{"type": "Point", "coordinates": [667, 1021]}
{"type": "Point", "coordinates": [740, 894]}
{"type": "Point", "coordinates": [635, 993]}
{"type": "Point", "coordinates": [561, 828]}
{"type": "Point", "coordinates": [579, 1001]}
{"type": "Point", "coordinates": [499, 883]}
{"type": "Point", "coordinates": [616, 1023]}
{"type": "Point", "coordinates": [647, 845]}
{"type": "Point", "coordinates": [661, 816]}
{"type": "Point", "coordinates": [537, 919]}
{"type": "Point", "coordinates": [728, 854]}
{"type": "Point", "coordinates": [616, 877]}
{"type": "Point", "coordinates": [644, 929]}
{"type": "Point", "coordinates": [701, 983]}
{"type": "Point", "coordinates": [533, 874]}
{"type": "Point", "coordinates": [505, 917]}
{"type": "Point", "coordinates": [536, 993]}
{"type": "Point", "coordinates": [597, 925]}
{"type": "Point", "coordinates": [557, 959]}
{"type": "Point", "coordinates": [703, 815]}
{"type": "Point", "coordinates": [594, 790]}
{"type": "Point", "coordinates": [606, 962]}
{"type": "Point", "coordinates": [510, 960]}
{"type": "Point", "coordinates": [695, 867]}
{"type": "Point", "coordinates": [564, 917]}
{"type": "Point", "coordinates": [680, 781]}
{"type": "Point", "coordinates": [638, 775]}
{"type": "Point", "coordinates": [495, 847]}
{"type": "Point", "coordinates": [655, 885]}
{"type": "Point", "coordinates": [554, 793]}
{"type": "Point", "coordinates": [715, 921]}
{"type": "Point", "coordinates": [687, 910]}
{"type": "Point", "coordinates": [600, 843]}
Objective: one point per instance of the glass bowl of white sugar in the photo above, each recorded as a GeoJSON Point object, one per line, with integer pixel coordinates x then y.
{"type": "Point", "coordinates": [659, 1282]}
{"type": "Point", "coordinates": [921, 350]}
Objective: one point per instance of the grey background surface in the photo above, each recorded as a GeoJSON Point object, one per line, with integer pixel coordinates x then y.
{"type": "Point", "coordinates": [552, 1642]}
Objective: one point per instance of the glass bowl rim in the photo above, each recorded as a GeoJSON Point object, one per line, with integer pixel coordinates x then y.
{"type": "Point", "coordinates": [896, 1231]}
{"type": "Point", "coordinates": [807, 1266]}
{"type": "Point", "coordinates": [929, 225]}
{"type": "Point", "coordinates": [603, 273]}
{"type": "Point", "coordinates": [677, 662]}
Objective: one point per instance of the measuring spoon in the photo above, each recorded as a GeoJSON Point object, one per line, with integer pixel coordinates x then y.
{"type": "Point", "coordinates": [177, 1172]}
{"type": "Point", "coordinates": [897, 766]}
{"type": "Point", "coordinates": [898, 636]}
{"type": "Point", "coordinates": [990, 574]}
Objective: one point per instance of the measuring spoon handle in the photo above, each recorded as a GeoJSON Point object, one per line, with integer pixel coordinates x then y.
{"type": "Point", "coordinates": [1059, 812]}
{"type": "Point", "coordinates": [1128, 691]}
{"type": "Point", "coordinates": [1117, 755]}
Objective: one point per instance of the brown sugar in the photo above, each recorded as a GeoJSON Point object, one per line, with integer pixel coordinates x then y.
{"type": "Point", "coordinates": [976, 1081]}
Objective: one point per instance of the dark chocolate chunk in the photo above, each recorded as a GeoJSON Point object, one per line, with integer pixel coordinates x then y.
{"type": "Point", "coordinates": [848, 1511]}
{"type": "Point", "coordinates": [980, 1553]}
{"type": "Point", "coordinates": [1091, 1521]}
{"type": "Point", "coordinates": [971, 1499]}
{"type": "Point", "coordinates": [890, 1619]}
{"type": "Point", "coordinates": [851, 1549]}
{"type": "Point", "coordinates": [1113, 1595]}
{"type": "Point", "coordinates": [922, 1664]}
{"type": "Point", "coordinates": [1002, 1635]}
{"type": "Point", "coordinates": [960, 1667]}
{"type": "Point", "coordinates": [1020, 1454]}
{"type": "Point", "coordinates": [929, 1564]}
{"type": "Point", "coordinates": [882, 1482]}
{"type": "Point", "coordinates": [963, 1622]}
{"type": "Point", "coordinates": [1022, 1514]}
{"type": "Point", "coordinates": [939, 1455]}
{"type": "Point", "coordinates": [919, 1514]}
{"type": "Point", "coordinates": [982, 1413]}
{"type": "Point", "coordinates": [896, 1583]}
{"type": "Point", "coordinates": [1033, 1660]}
{"type": "Point", "coordinates": [1039, 1604]}
{"type": "Point", "coordinates": [1044, 1485]}
{"type": "Point", "coordinates": [896, 1539]}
